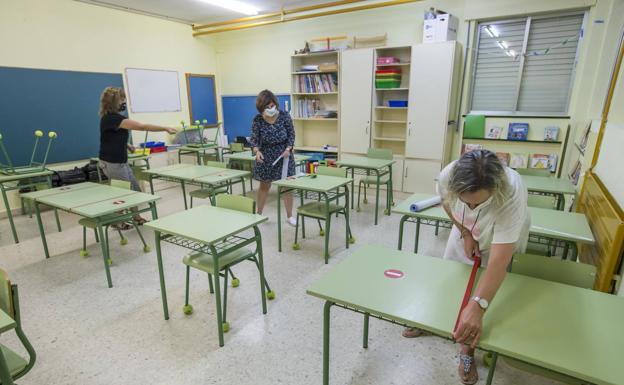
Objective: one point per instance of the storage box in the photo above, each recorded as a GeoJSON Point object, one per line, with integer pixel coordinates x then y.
{"type": "Point", "coordinates": [387, 83]}
{"type": "Point", "coordinates": [442, 28]}
{"type": "Point", "coordinates": [397, 103]}
{"type": "Point", "coordinates": [388, 60]}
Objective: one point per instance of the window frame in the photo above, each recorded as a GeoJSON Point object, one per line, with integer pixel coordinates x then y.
{"type": "Point", "coordinates": [528, 20]}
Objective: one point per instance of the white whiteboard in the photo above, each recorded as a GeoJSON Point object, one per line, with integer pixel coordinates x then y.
{"type": "Point", "coordinates": [610, 161]}
{"type": "Point", "coordinates": [153, 90]}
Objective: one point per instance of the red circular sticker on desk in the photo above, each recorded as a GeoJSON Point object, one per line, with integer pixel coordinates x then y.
{"type": "Point", "coordinates": [118, 202]}
{"type": "Point", "coordinates": [392, 273]}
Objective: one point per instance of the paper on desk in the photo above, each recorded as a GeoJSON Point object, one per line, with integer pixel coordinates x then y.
{"type": "Point", "coordinates": [284, 165]}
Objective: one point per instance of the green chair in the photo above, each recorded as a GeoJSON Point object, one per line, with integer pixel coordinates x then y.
{"type": "Point", "coordinates": [12, 365]}
{"type": "Point", "coordinates": [567, 272]}
{"type": "Point", "coordinates": [541, 201]}
{"type": "Point", "coordinates": [384, 179]}
{"type": "Point", "coordinates": [92, 224]}
{"type": "Point", "coordinates": [211, 192]}
{"type": "Point", "coordinates": [205, 261]}
{"type": "Point", "coordinates": [322, 211]}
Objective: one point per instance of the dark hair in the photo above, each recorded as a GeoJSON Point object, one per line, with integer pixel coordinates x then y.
{"type": "Point", "coordinates": [265, 97]}
{"type": "Point", "coordinates": [477, 170]}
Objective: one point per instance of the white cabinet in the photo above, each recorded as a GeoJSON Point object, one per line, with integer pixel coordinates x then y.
{"type": "Point", "coordinates": [355, 100]}
{"type": "Point", "coordinates": [420, 175]}
{"type": "Point", "coordinates": [430, 100]}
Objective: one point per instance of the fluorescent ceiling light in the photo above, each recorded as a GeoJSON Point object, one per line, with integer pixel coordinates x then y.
{"type": "Point", "coordinates": [234, 5]}
{"type": "Point", "coordinates": [502, 44]}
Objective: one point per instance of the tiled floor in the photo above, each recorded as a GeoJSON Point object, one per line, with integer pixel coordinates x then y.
{"type": "Point", "coordinates": [85, 333]}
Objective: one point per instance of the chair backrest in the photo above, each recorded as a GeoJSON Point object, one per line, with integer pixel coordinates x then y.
{"type": "Point", "coordinates": [237, 147]}
{"type": "Point", "coordinates": [534, 171]}
{"type": "Point", "coordinates": [236, 202]}
{"type": "Point", "coordinates": [120, 184]}
{"type": "Point", "coordinates": [331, 171]}
{"type": "Point", "coordinates": [379, 153]}
{"type": "Point", "coordinates": [567, 272]}
{"type": "Point", "coordinates": [6, 295]}
{"type": "Point", "coordinates": [213, 163]}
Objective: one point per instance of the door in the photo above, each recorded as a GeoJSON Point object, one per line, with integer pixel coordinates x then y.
{"type": "Point", "coordinates": [202, 98]}
{"type": "Point", "coordinates": [420, 175]}
{"type": "Point", "coordinates": [355, 100]}
{"type": "Point", "coordinates": [431, 81]}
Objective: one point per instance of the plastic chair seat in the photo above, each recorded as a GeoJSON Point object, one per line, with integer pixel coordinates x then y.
{"type": "Point", "coordinates": [317, 209]}
{"type": "Point", "coordinates": [205, 262]}
{"type": "Point", "coordinates": [14, 361]}
{"type": "Point", "coordinates": [90, 223]}
{"type": "Point", "coordinates": [372, 179]}
{"type": "Point", "coordinates": [207, 193]}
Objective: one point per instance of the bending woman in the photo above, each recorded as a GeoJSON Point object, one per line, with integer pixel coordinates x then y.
{"type": "Point", "coordinates": [114, 134]}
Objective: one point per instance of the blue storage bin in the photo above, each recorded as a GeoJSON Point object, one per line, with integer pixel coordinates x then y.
{"type": "Point", "coordinates": [314, 156]}
{"type": "Point", "coordinates": [397, 103]}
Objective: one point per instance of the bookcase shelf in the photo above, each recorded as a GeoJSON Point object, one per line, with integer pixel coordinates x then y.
{"type": "Point", "coordinates": [394, 65]}
{"type": "Point", "coordinates": [314, 93]}
{"type": "Point", "coordinates": [313, 72]}
{"type": "Point", "coordinates": [516, 141]}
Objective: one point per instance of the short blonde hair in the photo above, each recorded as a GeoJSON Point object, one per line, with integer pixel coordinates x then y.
{"type": "Point", "coordinates": [111, 99]}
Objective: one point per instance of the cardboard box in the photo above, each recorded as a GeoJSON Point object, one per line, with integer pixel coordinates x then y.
{"type": "Point", "coordinates": [442, 28]}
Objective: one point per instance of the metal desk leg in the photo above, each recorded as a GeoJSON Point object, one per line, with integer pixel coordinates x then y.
{"type": "Point", "coordinates": [9, 213]}
{"type": "Point", "coordinates": [105, 253]}
{"type": "Point", "coordinates": [365, 337]}
{"type": "Point", "coordinates": [401, 225]}
{"type": "Point", "coordinates": [261, 268]}
{"type": "Point", "coordinates": [151, 183]}
{"type": "Point", "coordinates": [163, 287]}
{"type": "Point", "coordinates": [350, 238]}
{"type": "Point", "coordinates": [492, 368]}
{"type": "Point", "coordinates": [326, 324]}
{"type": "Point", "coordinates": [243, 184]}
{"type": "Point", "coordinates": [377, 196]}
{"type": "Point", "coordinates": [417, 235]}
{"type": "Point", "coordinates": [279, 219]}
{"type": "Point", "coordinates": [184, 194]}
{"type": "Point", "coordinates": [327, 228]}
{"type": "Point", "coordinates": [352, 186]}
{"type": "Point", "coordinates": [56, 217]}
{"type": "Point", "coordinates": [41, 230]}
{"type": "Point", "coordinates": [217, 288]}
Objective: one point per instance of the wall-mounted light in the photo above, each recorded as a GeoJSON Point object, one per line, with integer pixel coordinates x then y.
{"type": "Point", "coordinates": [234, 5]}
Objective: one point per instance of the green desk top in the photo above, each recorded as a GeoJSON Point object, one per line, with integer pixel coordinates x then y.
{"type": "Point", "coordinates": [205, 147]}
{"type": "Point", "coordinates": [206, 224]}
{"type": "Point", "coordinates": [14, 177]}
{"type": "Point", "coordinates": [548, 184]}
{"type": "Point", "coordinates": [222, 176]}
{"type": "Point", "coordinates": [249, 157]}
{"type": "Point", "coordinates": [567, 329]}
{"type": "Point", "coordinates": [321, 183]}
{"type": "Point", "coordinates": [186, 172]}
{"type": "Point", "coordinates": [6, 322]}
{"type": "Point", "coordinates": [365, 163]}
{"type": "Point", "coordinates": [90, 199]}
{"type": "Point", "coordinates": [547, 223]}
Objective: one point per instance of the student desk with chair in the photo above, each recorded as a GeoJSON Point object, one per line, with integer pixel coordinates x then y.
{"type": "Point", "coordinates": [578, 331]}
{"type": "Point", "coordinates": [371, 168]}
{"type": "Point", "coordinates": [325, 189]}
{"type": "Point", "coordinates": [104, 204]}
{"type": "Point", "coordinates": [249, 158]}
{"type": "Point", "coordinates": [219, 239]}
{"type": "Point", "coordinates": [186, 174]}
{"type": "Point", "coordinates": [548, 186]}
{"type": "Point", "coordinates": [546, 225]}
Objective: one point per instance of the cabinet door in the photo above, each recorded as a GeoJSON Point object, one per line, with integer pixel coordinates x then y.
{"type": "Point", "coordinates": [355, 100]}
{"type": "Point", "coordinates": [420, 175]}
{"type": "Point", "coordinates": [431, 80]}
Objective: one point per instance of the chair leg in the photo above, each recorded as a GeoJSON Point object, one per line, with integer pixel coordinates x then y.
{"type": "Point", "coordinates": [97, 237]}
{"type": "Point", "coordinates": [122, 241]}
{"type": "Point", "coordinates": [210, 284]}
{"type": "Point", "coordinates": [321, 232]}
{"type": "Point", "coordinates": [186, 287]}
{"type": "Point", "coordinates": [327, 230]}
{"type": "Point", "coordinates": [235, 281]}
{"type": "Point", "coordinates": [296, 231]}
{"type": "Point", "coordinates": [146, 248]}
{"type": "Point", "coordinates": [302, 226]}
{"type": "Point", "coordinates": [359, 192]}
{"type": "Point", "coordinates": [225, 288]}
{"type": "Point", "coordinates": [84, 252]}
{"type": "Point", "coordinates": [437, 228]}
{"type": "Point", "coordinates": [191, 201]}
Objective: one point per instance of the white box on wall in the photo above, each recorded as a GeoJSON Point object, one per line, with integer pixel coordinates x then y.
{"type": "Point", "coordinates": [442, 28]}
{"type": "Point", "coordinates": [429, 31]}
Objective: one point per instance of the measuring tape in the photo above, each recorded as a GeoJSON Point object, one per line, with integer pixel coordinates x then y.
{"type": "Point", "coordinates": [471, 281]}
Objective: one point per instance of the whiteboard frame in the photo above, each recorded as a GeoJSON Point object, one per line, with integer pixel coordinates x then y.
{"type": "Point", "coordinates": [129, 94]}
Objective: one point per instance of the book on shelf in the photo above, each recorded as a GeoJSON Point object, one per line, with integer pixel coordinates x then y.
{"type": "Point", "coordinates": [474, 126]}
{"type": "Point", "coordinates": [518, 131]}
{"type": "Point", "coordinates": [585, 136]}
{"type": "Point", "coordinates": [504, 158]}
{"type": "Point", "coordinates": [471, 147]}
{"type": "Point", "coordinates": [317, 83]}
{"type": "Point", "coordinates": [552, 162]}
{"type": "Point", "coordinates": [494, 132]}
{"type": "Point", "coordinates": [575, 172]}
{"type": "Point", "coordinates": [551, 133]}
{"type": "Point", "coordinates": [539, 161]}
{"type": "Point", "coordinates": [518, 160]}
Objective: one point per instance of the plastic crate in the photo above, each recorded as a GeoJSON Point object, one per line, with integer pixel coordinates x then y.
{"type": "Point", "coordinates": [388, 60]}
{"type": "Point", "coordinates": [387, 83]}
{"type": "Point", "coordinates": [397, 103]}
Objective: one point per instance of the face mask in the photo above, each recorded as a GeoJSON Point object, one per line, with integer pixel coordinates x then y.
{"type": "Point", "coordinates": [270, 112]}
{"type": "Point", "coordinates": [122, 107]}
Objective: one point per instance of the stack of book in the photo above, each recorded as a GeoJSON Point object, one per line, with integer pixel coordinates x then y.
{"type": "Point", "coordinates": [318, 83]}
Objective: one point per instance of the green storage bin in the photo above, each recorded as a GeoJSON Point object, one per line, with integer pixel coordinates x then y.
{"type": "Point", "coordinates": [387, 83]}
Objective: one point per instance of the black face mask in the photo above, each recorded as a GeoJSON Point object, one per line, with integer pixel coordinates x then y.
{"type": "Point", "coordinates": [122, 107]}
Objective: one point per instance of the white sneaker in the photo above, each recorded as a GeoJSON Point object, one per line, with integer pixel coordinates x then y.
{"type": "Point", "coordinates": [292, 221]}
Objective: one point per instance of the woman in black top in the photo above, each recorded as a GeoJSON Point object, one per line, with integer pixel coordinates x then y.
{"type": "Point", "coordinates": [272, 136]}
{"type": "Point", "coordinates": [114, 134]}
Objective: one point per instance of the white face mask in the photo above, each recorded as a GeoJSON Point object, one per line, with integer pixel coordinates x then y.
{"type": "Point", "coordinates": [271, 112]}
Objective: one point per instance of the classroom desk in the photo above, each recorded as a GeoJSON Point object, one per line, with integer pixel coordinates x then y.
{"type": "Point", "coordinates": [199, 152]}
{"type": "Point", "coordinates": [96, 201]}
{"type": "Point", "coordinates": [133, 159]}
{"type": "Point", "coordinates": [211, 230]}
{"type": "Point", "coordinates": [187, 174]}
{"type": "Point", "coordinates": [546, 225]}
{"type": "Point", "coordinates": [6, 323]}
{"type": "Point", "coordinates": [555, 187]}
{"type": "Point", "coordinates": [314, 186]}
{"type": "Point", "coordinates": [10, 182]}
{"type": "Point", "coordinates": [248, 157]}
{"type": "Point", "coordinates": [569, 330]}
{"type": "Point", "coordinates": [367, 166]}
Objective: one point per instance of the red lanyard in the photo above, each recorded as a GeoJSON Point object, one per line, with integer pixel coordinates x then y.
{"type": "Point", "coordinates": [471, 281]}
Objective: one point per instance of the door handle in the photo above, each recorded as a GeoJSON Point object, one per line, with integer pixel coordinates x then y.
{"type": "Point", "coordinates": [405, 172]}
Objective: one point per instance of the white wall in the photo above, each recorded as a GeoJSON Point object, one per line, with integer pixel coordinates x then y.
{"type": "Point", "coordinates": [68, 35]}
